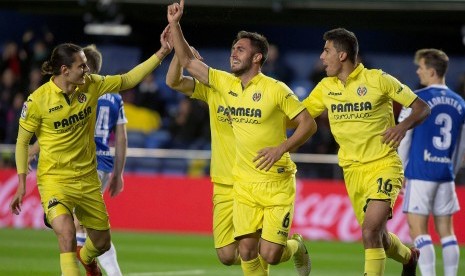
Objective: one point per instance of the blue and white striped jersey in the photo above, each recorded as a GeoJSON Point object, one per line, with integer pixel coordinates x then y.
{"type": "Point", "coordinates": [110, 112]}
{"type": "Point", "coordinates": [433, 151]}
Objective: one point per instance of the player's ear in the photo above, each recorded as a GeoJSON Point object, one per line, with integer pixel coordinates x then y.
{"type": "Point", "coordinates": [342, 56]}
{"type": "Point", "coordinates": [257, 57]}
{"type": "Point", "coordinates": [64, 70]}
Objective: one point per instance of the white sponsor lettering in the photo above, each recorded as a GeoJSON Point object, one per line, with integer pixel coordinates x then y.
{"type": "Point", "coordinates": [436, 159]}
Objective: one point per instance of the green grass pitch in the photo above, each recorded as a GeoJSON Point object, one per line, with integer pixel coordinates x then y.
{"type": "Point", "coordinates": [35, 252]}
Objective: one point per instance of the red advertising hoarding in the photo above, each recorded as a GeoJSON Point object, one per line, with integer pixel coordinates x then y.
{"type": "Point", "coordinates": [181, 204]}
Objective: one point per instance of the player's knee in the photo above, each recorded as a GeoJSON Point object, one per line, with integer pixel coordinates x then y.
{"type": "Point", "coordinates": [371, 235]}
{"type": "Point", "coordinates": [273, 258]}
{"type": "Point", "coordinates": [102, 244]}
{"type": "Point", "coordinates": [228, 255]}
{"type": "Point", "coordinates": [227, 260]}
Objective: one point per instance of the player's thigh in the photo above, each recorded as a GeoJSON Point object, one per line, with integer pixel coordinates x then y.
{"type": "Point", "coordinates": [58, 198]}
{"type": "Point", "coordinates": [91, 210]}
{"type": "Point", "coordinates": [445, 200]}
{"type": "Point", "coordinates": [223, 229]}
{"type": "Point", "coordinates": [419, 197]}
{"type": "Point", "coordinates": [278, 211]}
{"type": "Point", "coordinates": [379, 180]}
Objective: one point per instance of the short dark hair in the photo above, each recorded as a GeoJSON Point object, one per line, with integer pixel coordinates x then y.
{"type": "Point", "coordinates": [434, 58]}
{"type": "Point", "coordinates": [63, 54]}
{"type": "Point", "coordinates": [344, 41]}
{"type": "Point", "coordinates": [258, 41]}
{"type": "Point", "coordinates": [94, 58]}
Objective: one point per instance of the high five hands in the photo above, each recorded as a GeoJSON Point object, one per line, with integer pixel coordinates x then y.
{"type": "Point", "coordinates": [175, 11]}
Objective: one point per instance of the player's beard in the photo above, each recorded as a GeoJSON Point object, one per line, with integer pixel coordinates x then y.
{"type": "Point", "coordinates": [245, 67]}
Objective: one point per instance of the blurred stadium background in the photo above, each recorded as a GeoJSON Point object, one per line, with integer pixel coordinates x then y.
{"type": "Point", "coordinates": [167, 194]}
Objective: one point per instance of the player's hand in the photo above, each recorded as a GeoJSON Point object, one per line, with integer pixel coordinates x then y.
{"type": "Point", "coordinates": [175, 11]}
{"type": "Point", "coordinates": [166, 41]}
{"type": "Point", "coordinates": [116, 185]}
{"type": "Point", "coordinates": [196, 53]}
{"type": "Point", "coordinates": [15, 205]}
{"type": "Point", "coordinates": [266, 158]}
{"type": "Point", "coordinates": [393, 136]}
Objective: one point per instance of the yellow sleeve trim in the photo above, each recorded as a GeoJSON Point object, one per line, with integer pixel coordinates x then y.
{"type": "Point", "coordinates": [22, 147]}
{"type": "Point", "coordinates": [138, 73]}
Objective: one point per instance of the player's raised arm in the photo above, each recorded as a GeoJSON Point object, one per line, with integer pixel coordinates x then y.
{"type": "Point", "coordinates": [138, 73]}
{"type": "Point", "coordinates": [195, 67]}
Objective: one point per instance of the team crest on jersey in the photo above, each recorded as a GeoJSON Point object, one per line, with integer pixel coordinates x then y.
{"type": "Point", "coordinates": [257, 96]}
{"type": "Point", "coordinates": [24, 111]}
{"type": "Point", "coordinates": [82, 98]}
{"type": "Point", "coordinates": [362, 91]}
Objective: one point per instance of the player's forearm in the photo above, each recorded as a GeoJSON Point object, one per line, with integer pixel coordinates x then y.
{"type": "Point", "coordinates": [181, 47]}
{"type": "Point", "coordinates": [22, 149]}
{"type": "Point", "coordinates": [121, 146]}
{"type": "Point", "coordinates": [174, 74]}
{"type": "Point", "coordinates": [420, 110]}
{"type": "Point", "coordinates": [306, 127]}
{"type": "Point", "coordinates": [138, 73]}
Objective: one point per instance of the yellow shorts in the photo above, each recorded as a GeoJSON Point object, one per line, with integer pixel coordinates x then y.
{"type": "Point", "coordinates": [81, 195]}
{"type": "Point", "coordinates": [223, 229]}
{"type": "Point", "coordinates": [378, 180]}
{"type": "Point", "coordinates": [265, 206]}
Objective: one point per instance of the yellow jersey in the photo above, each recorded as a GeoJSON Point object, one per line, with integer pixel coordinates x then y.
{"type": "Point", "coordinates": [359, 112]}
{"type": "Point", "coordinates": [64, 126]}
{"type": "Point", "coordinates": [223, 150]}
{"type": "Point", "coordinates": [258, 114]}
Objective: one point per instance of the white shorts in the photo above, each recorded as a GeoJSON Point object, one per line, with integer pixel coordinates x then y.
{"type": "Point", "coordinates": [104, 179]}
{"type": "Point", "coordinates": [427, 197]}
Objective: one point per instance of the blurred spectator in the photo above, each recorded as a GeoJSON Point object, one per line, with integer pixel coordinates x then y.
{"type": "Point", "coordinates": [461, 85]}
{"type": "Point", "coordinates": [11, 59]}
{"type": "Point", "coordinates": [148, 95]}
{"type": "Point", "coordinates": [139, 118]}
{"type": "Point", "coordinates": [275, 67]}
{"type": "Point", "coordinates": [318, 72]}
{"type": "Point", "coordinates": [34, 80]}
{"type": "Point", "coordinates": [12, 118]}
{"type": "Point", "coordinates": [37, 47]}
{"type": "Point", "coordinates": [190, 128]}
{"type": "Point", "coordinates": [8, 89]}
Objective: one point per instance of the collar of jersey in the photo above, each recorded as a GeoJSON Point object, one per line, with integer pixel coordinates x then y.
{"type": "Point", "coordinates": [55, 87]}
{"type": "Point", "coordinates": [256, 79]}
{"type": "Point", "coordinates": [356, 71]}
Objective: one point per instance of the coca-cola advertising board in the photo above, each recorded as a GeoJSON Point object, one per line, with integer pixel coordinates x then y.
{"type": "Point", "coordinates": [182, 204]}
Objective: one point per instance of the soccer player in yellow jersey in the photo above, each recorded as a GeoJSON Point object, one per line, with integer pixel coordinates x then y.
{"type": "Point", "coordinates": [61, 113]}
{"type": "Point", "coordinates": [359, 103]}
{"type": "Point", "coordinates": [264, 174]}
{"type": "Point", "coordinates": [222, 159]}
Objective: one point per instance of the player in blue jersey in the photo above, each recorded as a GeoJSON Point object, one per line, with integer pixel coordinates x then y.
{"type": "Point", "coordinates": [432, 154]}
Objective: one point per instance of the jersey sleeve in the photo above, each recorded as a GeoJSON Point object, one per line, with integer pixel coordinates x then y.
{"type": "Point", "coordinates": [396, 90]}
{"type": "Point", "coordinates": [200, 91]}
{"type": "Point", "coordinates": [121, 114]}
{"type": "Point", "coordinates": [287, 101]}
{"type": "Point", "coordinates": [220, 80]}
{"type": "Point", "coordinates": [105, 84]}
{"type": "Point", "coordinates": [314, 101]}
{"type": "Point", "coordinates": [30, 118]}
